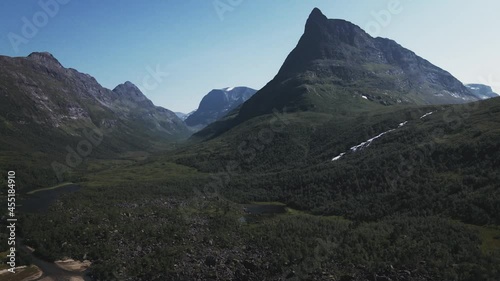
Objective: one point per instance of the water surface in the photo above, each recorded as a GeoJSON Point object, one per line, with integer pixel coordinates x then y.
{"type": "Point", "coordinates": [41, 200]}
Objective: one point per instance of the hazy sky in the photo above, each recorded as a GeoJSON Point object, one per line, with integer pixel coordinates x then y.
{"type": "Point", "coordinates": [207, 44]}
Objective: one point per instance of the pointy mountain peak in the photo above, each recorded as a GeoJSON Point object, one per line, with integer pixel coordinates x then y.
{"type": "Point", "coordinates": [326, 39]}
{"type": "Point", "coordinates": [127, 85]}
{"type": "Point", "coordinates": [45, 55]}
{"type": "Point", "coordinates": [316, 15]}
{"type": "Point", "coordinates": [319, 25]}
{"type": "Point", "coordinates": [130, 91]}
{"type": "Point", "coordinates": [316, 20]}
{"type": "Point", "coordinates": [44, 58]}
{"type": "Point", "coordinates": [130, 85]}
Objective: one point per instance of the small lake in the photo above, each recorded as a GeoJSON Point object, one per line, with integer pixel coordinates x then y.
{"type": "Point", "coordinates": [255, 212]}
{"type": "Point", "coordinates": [263, 209]}
{"type": "Point", "coordinates": [41, 200]}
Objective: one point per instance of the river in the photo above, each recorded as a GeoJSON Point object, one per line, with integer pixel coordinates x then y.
{"type": "Point", "coordinates": [40, 202]}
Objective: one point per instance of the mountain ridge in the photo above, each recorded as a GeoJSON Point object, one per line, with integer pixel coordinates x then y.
{"type": "Point", "coordinates": [45, 106]}
{"type": "Point", "coordinates": [337, 68]}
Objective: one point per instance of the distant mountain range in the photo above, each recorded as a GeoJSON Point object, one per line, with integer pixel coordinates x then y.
{"type": "Point", "coordinates": [38, 91]}
{"type": "Point", "coordinates": [481, 91]}
{"type": "Point", "coordinates": [182, 115]}
{"type": "Point", "coordinates": [218, 103]}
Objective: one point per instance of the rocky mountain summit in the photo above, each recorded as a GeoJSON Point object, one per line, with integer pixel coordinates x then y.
{"type": "Point", "coordinates": [217, 104]}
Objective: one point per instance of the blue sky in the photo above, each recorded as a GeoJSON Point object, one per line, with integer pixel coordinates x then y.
{"type": "Point", "coordinates": [194, 47]}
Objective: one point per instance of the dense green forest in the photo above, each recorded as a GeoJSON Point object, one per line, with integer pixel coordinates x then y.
{"type": "Point", "coordinates": [165, 237]}
{"type": "Point", "coordinates": [418, 204]}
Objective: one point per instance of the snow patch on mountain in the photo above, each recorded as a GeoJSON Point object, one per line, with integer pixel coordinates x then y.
{"type": "Point", "coordinates": [427, 114]}
{"type": "Point", "coordinates": [471, 87]}
{"type": "Point", "coordinates": [367, 143]}
{"type": "Point", "coordinates": [338, 157]}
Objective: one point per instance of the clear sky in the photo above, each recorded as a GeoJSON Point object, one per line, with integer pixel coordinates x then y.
{"type": "Point", "coordinates": [239, 43]}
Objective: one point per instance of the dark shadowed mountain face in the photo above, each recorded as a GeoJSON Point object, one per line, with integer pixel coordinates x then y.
{"type": "Point", "coordinates": [217, 104]}
{"type": "Point", "coordinates": [38, 96]}
{"type": "Point", "coordinates": [482, 91]}
{"type": "Point", "coordinates": [338, 68]}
